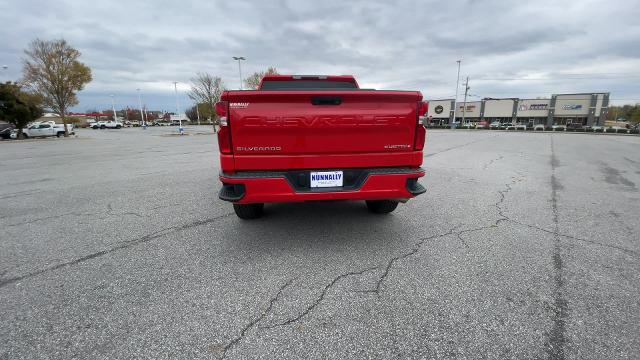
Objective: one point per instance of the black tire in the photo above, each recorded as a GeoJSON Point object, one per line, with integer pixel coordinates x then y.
{"type": "Point", "coordinates": [381, 206]}
{"type": "Point", "coordinates": [118, 126]}
{"type": "Point", "coordinates": [102, 127]}
{"type": "Point", "coordinates": [60, 134]}
{"type": "Point", "coordinates": [248, 211]}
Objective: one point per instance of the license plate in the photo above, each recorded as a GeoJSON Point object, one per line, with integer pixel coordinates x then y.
{"type": "Point", "coordinates": [326, 179]}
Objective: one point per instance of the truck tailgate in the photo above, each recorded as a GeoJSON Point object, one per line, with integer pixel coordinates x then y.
{"type": "Point", "coordinates": [271, 124]}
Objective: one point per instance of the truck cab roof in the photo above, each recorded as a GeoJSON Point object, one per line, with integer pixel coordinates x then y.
{"type": "Point", "coordinates": [308, 82]}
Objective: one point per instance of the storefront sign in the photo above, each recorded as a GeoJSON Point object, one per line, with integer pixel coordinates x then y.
{"type": "Point", "coordinates": [572, 107]}
{"type": "Point", "coordinates": [439, 109]}
{"type": "Point", "coordinates": [525, 107]}
{"type": "Point", "coordinates": [470, 108]}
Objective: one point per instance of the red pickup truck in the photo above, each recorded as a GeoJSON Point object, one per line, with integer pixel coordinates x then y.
{"type": "Point", "coordinates": [301, 138]}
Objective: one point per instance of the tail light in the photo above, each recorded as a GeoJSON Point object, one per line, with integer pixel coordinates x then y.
{"type": "Point", "coordinates": [221, 108]}
{"type": "Point", "coordinates": [421, 132]}
{"type": "Point", "coordinates": [423, 107]}
{"type": "Point", "coordinates": [224, 135]}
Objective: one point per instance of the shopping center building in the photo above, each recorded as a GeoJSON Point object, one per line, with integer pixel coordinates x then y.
{"type": "Point", "coordinates": [577, 110]}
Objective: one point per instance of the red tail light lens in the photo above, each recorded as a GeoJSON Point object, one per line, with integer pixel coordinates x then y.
{"type": "Point", "coordinates": [224, 139]}
{"type": "Point", "coordinates": [224, 135]}
{"type": "Point", "coordinates": [221, 108]}
{"type": "Point", "coordinates": [423, 107]}
{"type": "Point", "coordinates": [421, 135]}
{"type": "Point", "coordinates": [421, 132]}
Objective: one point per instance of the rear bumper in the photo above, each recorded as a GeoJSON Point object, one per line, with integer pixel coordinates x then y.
{"type": "Point", "coordinates": [288, 186]}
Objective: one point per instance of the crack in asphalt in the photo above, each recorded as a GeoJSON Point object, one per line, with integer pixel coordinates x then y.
{"type": "Point", "coordinates": [416, 247]}
{"type": "Point", "coordinates": [20, 193]}
{"type": "Point", "coordinates": [109, 212]}
{"type": "Point", "coordinates": [616, 247]}
{"type": "Point", "coordinates": [255, 321]}
{"type": "Point", "coordinates": [491, 162]}
{"type": "Point", "coordinates": [123, 245]}
{"type": "Point", "coordinates": [556, 338]}
{"type": "Point", "coordinates": [75, 213]}
{"type": "Point", "coordinates": [321, 297]}
{"type": "Point", "coordinates": [504, 217]}
{"type": "Point", "coordinates": [387, 269]}
{"type": "Point", "coordinates": [458, 146]}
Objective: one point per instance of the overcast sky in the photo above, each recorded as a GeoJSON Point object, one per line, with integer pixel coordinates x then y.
{"type": "Point", "coordinates": [509, 48]}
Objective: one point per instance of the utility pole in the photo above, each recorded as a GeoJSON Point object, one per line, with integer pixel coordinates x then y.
{"type": "Point", "coordinates": [455, 102]}
{"type": "Point", "coordinates": [464, 106]}
{"type": "Point", "coordinates": [141, 110]}
{"type": "Point", "coordinates": [239, 58]}
{"type": "Point", "coordinates": [198, 113]}
{"type": "Point", "coordinates": [4, 72]}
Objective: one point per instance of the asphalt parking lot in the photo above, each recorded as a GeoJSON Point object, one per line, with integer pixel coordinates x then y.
{"type": "Point", "coordinates": [115, 245]}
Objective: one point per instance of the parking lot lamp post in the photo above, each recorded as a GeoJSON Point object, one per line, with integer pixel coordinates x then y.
{"type": "Point", "coordinates": [455, 102]}
{"type": "Point", "coordinates": [198, 113]}
{"type": "Point", "coordinates": [239, 59]}
{"type": "Point", "coordinates": [175, 88]}
{"type": "Point", "coordinates": [4, 71]}
{"type": "Point", "coordinates": [113, 108]}
{"type": "Point", "coordinates": [464, 104]}
{"type": "Point", "coordinates": [142, 122]}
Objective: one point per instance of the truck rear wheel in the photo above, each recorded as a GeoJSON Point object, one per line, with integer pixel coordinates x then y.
{"type": "Point", "coordinates": [248, 211]}
{"type": "Point", "coordinates": [381, 206]}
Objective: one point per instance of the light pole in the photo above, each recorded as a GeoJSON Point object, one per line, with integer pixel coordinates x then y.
{"type": "Point", "coordinates": [198, 112]}
{"type": "Point", "coordinates": [113, 108]}
{"type": "Point", "coordinates": [455, 102]}
{"type": "Point", "coordinates": [175, 87]}
{"type": "Point", "coordinates": [464, 104]}
{"type": "Point", "coordinates": [239, 58]}
{"type": "Point", "coordinates": [141, 111]}
{"type": "Point", "coordinates": [4, 71]}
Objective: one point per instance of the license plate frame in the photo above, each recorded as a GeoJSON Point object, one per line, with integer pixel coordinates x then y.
{"type": "Point", "coordinates": [326, 179]}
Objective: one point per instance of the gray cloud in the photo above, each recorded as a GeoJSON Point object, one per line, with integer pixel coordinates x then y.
{"type": "Point", "coordinates": [569, 46]}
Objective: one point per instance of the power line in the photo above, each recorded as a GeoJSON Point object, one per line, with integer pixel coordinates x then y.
{"type": "Point", "coordinates": [558, 78]}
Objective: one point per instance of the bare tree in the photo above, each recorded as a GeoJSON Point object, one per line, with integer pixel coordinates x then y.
{"type": "Point", "coordinates": [206, 89]}
{"type": "Point", "coordinates": [253, 81]}
{"type": "Point", "coordinates": [52, 69]}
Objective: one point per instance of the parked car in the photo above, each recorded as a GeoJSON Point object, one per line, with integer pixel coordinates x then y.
{"type": "Point", "coordinates": [521, 127]}
{"type": "Point", "coordinates": [619, 129]}
{"type": "Point", "coordinates": [496, 125]}
{"type": "Point", "coordinates": [539, 127]}
{"type": "Point", "coordinates": [5, 130]}
{"type": "Point", "coordinates": [373, 158]}
{"type": "Point", "coordinates": [559, 128]}
{"type": "Point", "coordinates": [482, 124]}
{"type": "Point", "coordinates": [44, 129]}
{"type": "Point", "coordinates": [107, 125]}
